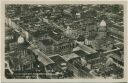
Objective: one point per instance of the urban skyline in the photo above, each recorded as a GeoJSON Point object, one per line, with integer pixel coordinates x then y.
{"type": "Point", "coordinates": [64, 41]}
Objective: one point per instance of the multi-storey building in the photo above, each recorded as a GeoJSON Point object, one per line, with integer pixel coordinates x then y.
{"type": "Point", "coordinates": [54, 43]}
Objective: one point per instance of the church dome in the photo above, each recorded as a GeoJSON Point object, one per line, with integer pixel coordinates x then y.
{"type": "Point", "coordinates": [26, 35]}
{"type": "Point", "coordinates": [103, 23]}
{"type": "Point", "coordinates": [20, 40]}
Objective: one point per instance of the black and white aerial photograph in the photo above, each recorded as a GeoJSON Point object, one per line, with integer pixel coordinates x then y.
{"type": "Point", "coordinates": [64, 41]}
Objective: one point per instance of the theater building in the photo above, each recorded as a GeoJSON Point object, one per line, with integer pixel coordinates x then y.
{"type": "Point", "coordinates": [56, 43]}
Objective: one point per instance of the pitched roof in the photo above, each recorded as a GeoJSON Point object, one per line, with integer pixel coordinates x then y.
{"type": "Point", "coordinates": [70, 56]}
{"type": "Point", "coordinates": [43, 58]}
{"type": "Point", "coordinates": [81, 53]}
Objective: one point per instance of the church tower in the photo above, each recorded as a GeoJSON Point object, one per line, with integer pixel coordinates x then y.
{"type": "Point", "coordinates": [100, 39]}
{"type": "Point", "coordinates": [102, 30]}
{"type": "Point", "coordinates": [68, 31]}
